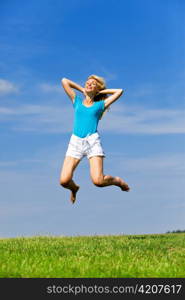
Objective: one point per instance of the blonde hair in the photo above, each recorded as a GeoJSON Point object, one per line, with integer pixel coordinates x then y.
{"type": "Point", "coordinates": [101, 86]}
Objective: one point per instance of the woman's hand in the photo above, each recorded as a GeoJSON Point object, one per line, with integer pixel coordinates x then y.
{"type": "Point", "coordinates": [69, 85]}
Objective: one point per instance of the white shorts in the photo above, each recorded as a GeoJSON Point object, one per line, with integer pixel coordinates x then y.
{"type": "Point", "coordinates": [89, 146]}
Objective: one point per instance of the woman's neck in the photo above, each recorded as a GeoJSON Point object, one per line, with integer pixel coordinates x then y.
{"type": "Point", "coordinates": [89, 98]}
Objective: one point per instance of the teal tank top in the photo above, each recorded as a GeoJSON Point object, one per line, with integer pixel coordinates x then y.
{"type": "Point", "coordinates": [86, 118]}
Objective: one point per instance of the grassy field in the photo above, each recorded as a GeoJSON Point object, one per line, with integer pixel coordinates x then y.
{"type": "Point", "coordinates": [157, 255]}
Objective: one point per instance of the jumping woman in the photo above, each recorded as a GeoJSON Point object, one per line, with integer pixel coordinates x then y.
{"type": "Point", "coordinates": [85, 139]}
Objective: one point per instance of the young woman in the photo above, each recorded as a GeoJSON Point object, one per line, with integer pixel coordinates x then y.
{"type": "Point", "coordinates": [85, 139]}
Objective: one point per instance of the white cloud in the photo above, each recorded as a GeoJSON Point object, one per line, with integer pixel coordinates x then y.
{"type": "Point", "coordinates": [109, 76]}
{"type": "Point", "coordinates": [17, 163]}
{"type": "Point", "coordinates": [144, 90]}
{"type": "Point", "coordinates": [140, 120]}
{"type": "Point", "coordinates": [121, 119]}
{"type": "Point", "coordinates": [7, 87]}
{"type": "Point", "coordinates": [156, 185]}
{"type": "Point", "coordinates": [41, 118]}
{"type": "Point", "coordinates": [50, 88]}
{"type": "Point", "coordinates": [162, 164]}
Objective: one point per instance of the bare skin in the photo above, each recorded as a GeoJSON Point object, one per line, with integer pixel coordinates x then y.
{"type": "Point", "coordinates": [73, 194]}
{"type": "Point", "coordinates": [96, 162]}
{"type": "Point", "coordinates": [73, 187]}
{"type": "Point", "coordinates": [69, 165]}
{"type": "Point", "coordinates": [122, 184]}
{"type": "Point", "coordinates": [101, 180]}
{"type": "Point", "coordinates": [96, 172]}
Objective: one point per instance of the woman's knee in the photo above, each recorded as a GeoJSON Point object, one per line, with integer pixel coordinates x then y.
{"type": "Point", "coordinates": [98, 181]}
{"type": "Point", "coordinates": [64, 181]}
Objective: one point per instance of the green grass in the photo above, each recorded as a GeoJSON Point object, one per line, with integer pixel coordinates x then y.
{"type": "Point", "coordinates": [157, 255]}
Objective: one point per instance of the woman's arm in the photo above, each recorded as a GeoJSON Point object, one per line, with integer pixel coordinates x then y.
{"type": "Point", "coordinates": [69, 85]}
{"type": "Point", "coordinates": [116, 93]}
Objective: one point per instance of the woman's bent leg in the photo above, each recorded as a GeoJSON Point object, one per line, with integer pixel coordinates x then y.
{"type": "Point", "coordinates": [101, 180]}
{"type": "Point", "coordinates": [69, 165]}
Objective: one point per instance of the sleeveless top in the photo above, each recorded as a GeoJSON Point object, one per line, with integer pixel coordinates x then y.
{"type": "Point", "coordinates": [86, 118]}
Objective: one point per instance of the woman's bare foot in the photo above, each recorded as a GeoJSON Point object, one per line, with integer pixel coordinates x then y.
{"type": "Point", "coordinates": [122, 184]}
{"type": "Point", "coordinates": [73, 194]}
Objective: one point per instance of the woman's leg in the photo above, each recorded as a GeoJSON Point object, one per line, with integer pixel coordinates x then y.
{"type": "Point", "coordinates": [99, 179]}
{"type": "Point", "coordinates": [69, 165]}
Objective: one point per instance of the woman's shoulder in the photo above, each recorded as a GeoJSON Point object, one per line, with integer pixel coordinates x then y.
{"type": "Point", "coordinates": [77, 99]}
{"type": "Point", "coordinates": [101, 103]}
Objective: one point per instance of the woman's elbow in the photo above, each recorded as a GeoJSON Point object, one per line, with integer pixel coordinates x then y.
{"type": "Point", "coordinates": [120, 91]}
{"type": "Point", "coordinates": [63, 79]}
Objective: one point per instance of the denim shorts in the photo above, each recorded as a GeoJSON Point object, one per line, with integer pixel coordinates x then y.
{"type": "Point", "coordinates": [88, 146]}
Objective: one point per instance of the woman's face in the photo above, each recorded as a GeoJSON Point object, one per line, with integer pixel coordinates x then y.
{"type": "Point", "coordinates": [91, 86]}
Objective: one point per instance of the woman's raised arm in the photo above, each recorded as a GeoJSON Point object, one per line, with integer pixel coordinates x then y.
{"type": "Point", "coordinates": [116, 93]}
{"type": "Point", "coordinates": [69, 85]}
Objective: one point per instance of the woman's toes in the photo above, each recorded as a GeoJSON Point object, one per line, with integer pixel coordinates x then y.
{"type": "Point", "coordinates": [73, 194]}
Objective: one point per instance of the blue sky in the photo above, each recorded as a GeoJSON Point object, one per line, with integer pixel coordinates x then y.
{"type": "Point", "coordinates": [135, 45]}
